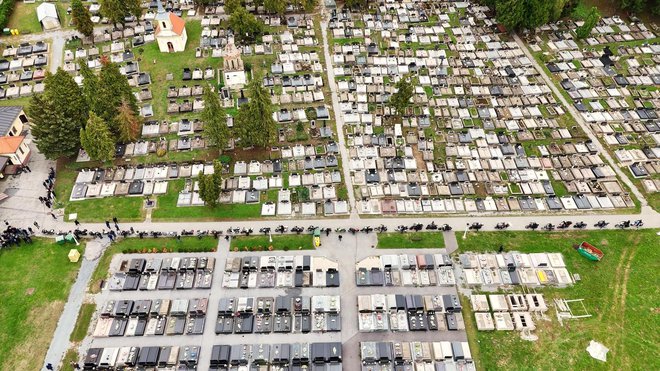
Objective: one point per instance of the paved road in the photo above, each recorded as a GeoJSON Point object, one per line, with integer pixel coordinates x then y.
{"type": "Point", "coordinates": [58, 39]}
{"type": "Point", "coordinates": [339, 118]}
{"type": "Point", "coordinates": [583, 124]}
{"type": "Point", "coordinates": [519, 222]}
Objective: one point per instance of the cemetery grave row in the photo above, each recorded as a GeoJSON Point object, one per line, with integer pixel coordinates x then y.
{"type": "Point", "coordinates": [22, 69]}
{"type": "Point", "coordinates": [611, 78]}
{"type": "Point", "coordinates": [482, 123]}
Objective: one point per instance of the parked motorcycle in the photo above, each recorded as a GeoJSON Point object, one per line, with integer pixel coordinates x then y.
{"type": "Point", "coordinates": [502, 226]}
{"type": "Point", "coordinates": [623, 225]}
{"type": "Point", "coordinates": [564, 224]}
{"type": "Point", "coordinates": [475, 226]}
{"type": "Point", "coordinates": [601, 224]}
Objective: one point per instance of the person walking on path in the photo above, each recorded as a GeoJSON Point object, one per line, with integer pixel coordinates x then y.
{"type": "Point", "coordinates": [49, 366]}
{"type": "Point", "coordinates": [53, 215]}
{"type": "Point", "coordinates": [107, 223]}
{"type": "Point", "coordinates": [115, 220]}
{"type": "Point", "coordinates": [76, 222]}
{"type": "Point", "coordinates": [36, 224]}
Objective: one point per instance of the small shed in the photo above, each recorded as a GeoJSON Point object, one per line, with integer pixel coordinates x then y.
{"type": "Point", "coordinates": [47, 15]}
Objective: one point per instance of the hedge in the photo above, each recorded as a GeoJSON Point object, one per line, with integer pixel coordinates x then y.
{"type": "Point", "coordinates": [6, 8]}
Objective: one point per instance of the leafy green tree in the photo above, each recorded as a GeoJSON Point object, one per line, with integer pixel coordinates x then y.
{"type": "Point", "coordinates": [245, 25]}
{"type": "Point", "coordinates": [511, 13]}
{"type": "Point", "coordinates": [215, 120]}
{"type": "Point", "coordinates": [134, 8]}
{"type": "Point", "coordinates": [254, 122]}
{"type": "Point", "coordinates": [81, 18]}
{"type": "Point", "coordinates": [232, 5]}
{"type": "Point", "coordinates": [634, 5]}
{"type": "Point", "coordinates": [309, 5]}
{"type": "Point", "coordinates": [114, 10]}
{"type": "Point", "coordinates": [538, 12]}
{"type": "Point", "coordinates": [208, 192]}
{"type": "Point", "coordinates": [90, 84]}
{"type": "Point", "coordinates": [58, 115]}
{"type": "Point", "coordinates": [303, 193]}
{"type": "Point", "coordinates": [129, 124]}
{"type": "Point", "coordinates": [558, 7]}
{"type": "Point", "coordinates": [97, 140]}
{"type": "Point", "coordinates": [592, 19]}
{"type": "Point", "coordinates": [401, 99]}
{"type": "Point", "coordinates": [210, 185]}
{"type": "Point", "coordinates": [275, 6]}
{"type": "Point", "coordinates": [113, 88]}
{"type": "Point", "coordinates": [356, 3]}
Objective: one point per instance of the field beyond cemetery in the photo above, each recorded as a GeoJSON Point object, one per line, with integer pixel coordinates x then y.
{"type": "Point", "coordinates": [35, 285]}
{"type": "Point", "coordinates": [620, 292]}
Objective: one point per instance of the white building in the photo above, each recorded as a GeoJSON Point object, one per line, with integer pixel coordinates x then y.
{"type": "Point", "coordinates": [47, 15]}
{"type": "Point", "coordinates": [170, 31]}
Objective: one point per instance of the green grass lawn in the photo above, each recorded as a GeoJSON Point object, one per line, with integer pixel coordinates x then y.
{"type": "Point", "coordinates": [71, 355]}
{"type": "Point", "coordinates": [283, 242]}
{"type": "Point", "coordinates": [24, 18]}
{"type": "Point", "coordinates": [82, 324]}
{"type": "Point", "coordinates": [412, 240]}
{"type": "Point", "coordinates": [167, 210]}
{"type": "Point", "coordinates": [620, 292]}
{"type": "Point", "coordinates": [93, 210]}
{"type": "Point", "coordinates": [35, 285]}
{"type": "Point", "coordinates": [25, 101]}
{"type": "Point", "coordinates": [172, 63]}
{"type": "Point", "coordinates": [186, 244]}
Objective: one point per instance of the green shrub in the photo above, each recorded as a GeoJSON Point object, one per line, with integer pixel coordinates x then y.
{"type": "Point", "coordinates": [6, 8]}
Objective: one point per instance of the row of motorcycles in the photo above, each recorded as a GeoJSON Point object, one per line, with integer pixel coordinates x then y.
{"type": "Point", "coordinates": [419, 226]}
{"type": "Point", "coordinates": [281, 229]}
{"type": "Point", "coordinates": [582, 225]}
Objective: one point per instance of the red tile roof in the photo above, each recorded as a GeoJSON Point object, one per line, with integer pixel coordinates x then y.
{"type": "Point", "coordinates": [9, 144]}
{"type": "Point", "coordinates": [178, 24]}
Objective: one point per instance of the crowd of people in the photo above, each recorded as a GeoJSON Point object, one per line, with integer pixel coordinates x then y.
{"type": "Point", "coordinates": [13, 236]}
{"type": "Point", "coordinates": [49, 185]}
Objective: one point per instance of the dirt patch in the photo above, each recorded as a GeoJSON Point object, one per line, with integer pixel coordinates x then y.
{"type": "Point", "coordinates": [604, 242]}
{"type": "Point", "coordinates": [259, 154]}
{"type": "Point", "coordinates": [31, 352]}
{"type": "Point", "coordinates": [29, 291]}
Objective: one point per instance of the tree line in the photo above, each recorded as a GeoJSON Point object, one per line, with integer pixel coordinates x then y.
{"type": "Point", "coordinates": [528, 14]}
{"type": "Point", "coordinates": [94, 116]}
{"type": "Point", "coordinates": [270, 6]}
